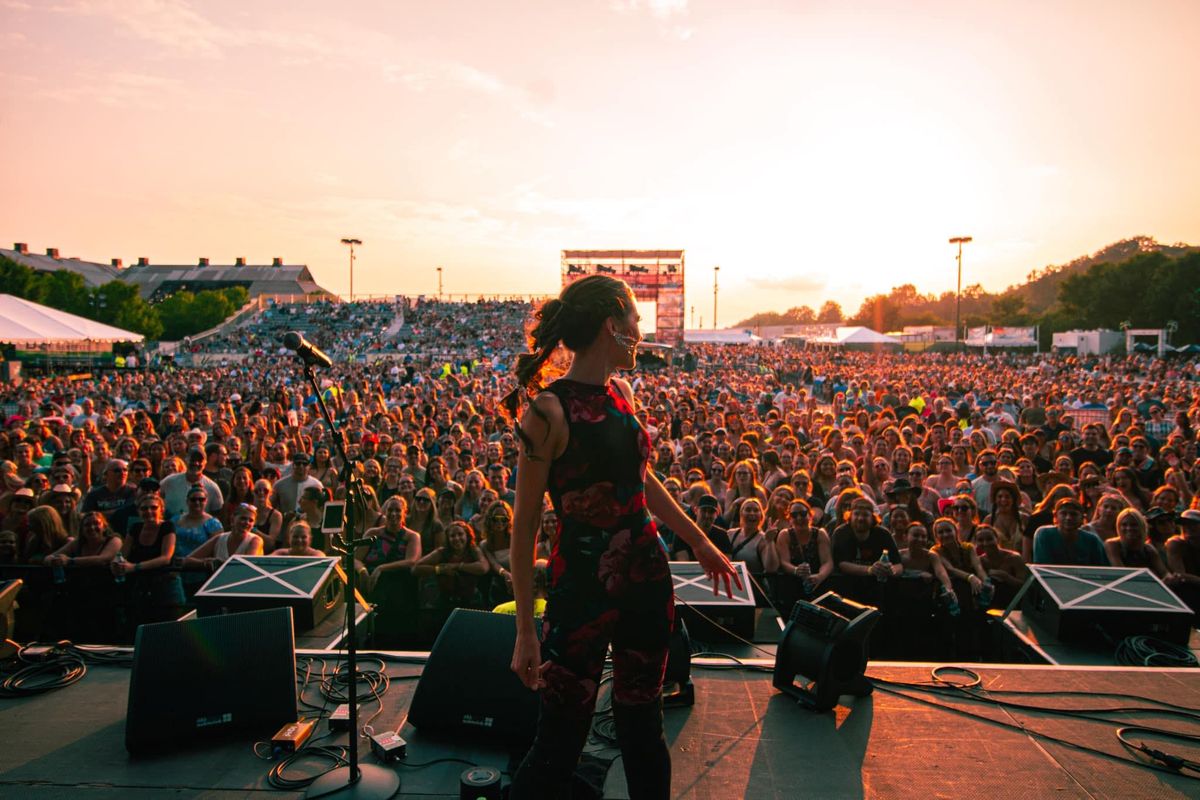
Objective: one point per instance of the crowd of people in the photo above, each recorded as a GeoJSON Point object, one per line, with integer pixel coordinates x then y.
{"type": "Point", "coordinates": [340, 329]}
{"type": "Point", "coordinates": [921, 483]}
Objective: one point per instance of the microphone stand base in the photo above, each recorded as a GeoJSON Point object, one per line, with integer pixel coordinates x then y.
{"type": "Point", "coordinates": [374, 783]}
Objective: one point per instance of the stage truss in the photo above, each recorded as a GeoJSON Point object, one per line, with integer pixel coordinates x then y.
{"type": "Point", "coordinates": [654, 275]}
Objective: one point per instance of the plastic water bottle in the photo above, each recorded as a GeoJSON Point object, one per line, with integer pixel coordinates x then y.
{"type": "Point", "coordinates": [985, 594]}
{"type": "Point", "coordinates": [120, 576]}
{"type": "Point", "coordinates": [57, 573]}
{"type": "Point", "coordinates": [887, 562]}
{"type": "Point", "coordinates": [950, 600]}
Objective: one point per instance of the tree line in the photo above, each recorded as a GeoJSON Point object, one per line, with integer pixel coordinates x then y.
{"type": "Point", "coordinates": [119, 304]}
{"type": "Point", "coordinates": [1147, 290]}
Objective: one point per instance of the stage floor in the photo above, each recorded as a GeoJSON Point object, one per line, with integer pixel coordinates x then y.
{"type": "Point", "coordinates": [741, 739]}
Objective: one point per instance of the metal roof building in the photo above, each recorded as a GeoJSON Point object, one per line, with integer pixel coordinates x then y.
{"type": "Point", "coordinates": [156, 281]}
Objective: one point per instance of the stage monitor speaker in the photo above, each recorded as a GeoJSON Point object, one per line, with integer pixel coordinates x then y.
{"type": "Point", "coordinates": [210, 678]}
{"type": "Point", "coordinates": [311, 586]}
{"type": "Point", "coordinates": [1103, 604]}
{"type": "Point", "coordinates": [468, 685]}
{"type": "Point", "coordinates": [713, 617]}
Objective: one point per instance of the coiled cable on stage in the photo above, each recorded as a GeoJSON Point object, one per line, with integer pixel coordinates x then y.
{"type": "Point", "coordinates": [1147, 651]}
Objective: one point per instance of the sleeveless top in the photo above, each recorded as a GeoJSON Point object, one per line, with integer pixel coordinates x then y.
{"type": "Point", "coordinates": [386, 548]}
{"type": "Point", "coordinates": [144, 552]}
{"type": "Point", "coordinates": [808, 554]}
{"type": "Point", "coordinates": [1141, 557]}
{"type": "Point", "coordinates": [747, 550]}
{"type": "Point", "coordinates": [221, 548]}
{"type": "Point", "coordinates": [607, 543]}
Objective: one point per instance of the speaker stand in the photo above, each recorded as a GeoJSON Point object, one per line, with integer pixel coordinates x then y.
{"type": "Point", "coordinates": [374, 783]}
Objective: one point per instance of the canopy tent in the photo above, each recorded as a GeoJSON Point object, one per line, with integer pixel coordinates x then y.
{"type": "Point", "coordinates": [30, 326]}
{"type": "Point", "coordinates": [726, 336]}
{"type": "Point", "coordinates": [855, 336]}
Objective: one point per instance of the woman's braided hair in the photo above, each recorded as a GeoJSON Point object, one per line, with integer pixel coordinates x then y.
{"type": "Point", "coordinates": [573, 319]}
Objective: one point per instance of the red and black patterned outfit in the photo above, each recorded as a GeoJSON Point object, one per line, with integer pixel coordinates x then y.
{"type": "Point", "coordinates": [609, 584]}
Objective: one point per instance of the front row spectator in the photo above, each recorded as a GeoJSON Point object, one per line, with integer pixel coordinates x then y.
{"type": "Point", "coordinates": [299, 541]}
{"type": "Point", "coordinates": [1065, 542]}
{"type": "Point", "coordinates": [392, 546]}
{"type": "Point", "coordinates": [456, 569]}
{"type": "Point", "coordinates": [145, 557]}
{"type": "Point", "coordinates": [96, 544]}
{"type": "Point", "coordinates": [46, 535]}
{"type": "Point", "coordinates": [1130, 547]}
{"type": "Point", "coordinates": [241, 541]}
{"type": "Point", "coordinates": [1183, 558]}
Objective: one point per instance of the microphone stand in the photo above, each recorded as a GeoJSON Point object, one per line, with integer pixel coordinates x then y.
{"type": "Point", "coordinates": [365, 781]}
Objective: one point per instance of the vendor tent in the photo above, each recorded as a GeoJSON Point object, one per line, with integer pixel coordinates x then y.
{"type": "Point", "coordinates": [856, 336]}
{"type": "Point", "coordinates": [30, 326]}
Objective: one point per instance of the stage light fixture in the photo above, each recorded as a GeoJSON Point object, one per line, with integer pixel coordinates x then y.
{"type": "Point", "coordinates": [825, 642]}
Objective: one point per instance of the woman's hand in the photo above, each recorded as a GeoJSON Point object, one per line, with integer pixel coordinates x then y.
{"type": "Point", "coordinates": [975, 583]}
{"type": "Point", "coordinates": [718, 567]}
{"type": "Point", "coordinates": [527, 661]}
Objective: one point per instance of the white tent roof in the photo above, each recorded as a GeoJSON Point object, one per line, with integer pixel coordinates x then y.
{"type": "Point", "coordinates": [856, 334]}
{"type": "Point", "coordinates": [23, 322]}
{"type": "Point", "coordinates": [725, 336]}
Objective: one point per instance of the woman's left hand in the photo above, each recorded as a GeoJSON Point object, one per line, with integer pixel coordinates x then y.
{"type": "Point", "coordinates": [718, 567]}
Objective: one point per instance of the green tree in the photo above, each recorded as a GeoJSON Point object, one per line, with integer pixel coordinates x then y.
{"type": "Point", "coordinates": [120, 304]}
{"type": "Point", "coordinates": [21, 281]}
{"type": "Point", "coordinates": [1009, 309]}
{"type": "Point", "coordinates": [67, 291]}
{"type": "Point", "coordinates": [830, 311]}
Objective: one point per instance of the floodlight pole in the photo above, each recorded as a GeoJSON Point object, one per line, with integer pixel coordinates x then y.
{"type": "Point", "coordinates": [439, 283]}
{"type": "Point", "coordinates": [960, 241]}
{"type": "Point", "coordinates": [352, 242]}
{"type": "Point", "coordinates": [716, 271]}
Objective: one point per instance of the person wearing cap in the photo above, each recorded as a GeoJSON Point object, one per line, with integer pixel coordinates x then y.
{"type": "Point", "coordinates": [175, 487]}
{"type": "Point", "coordinates": [288, 489]}
{"type": "Point", "coordinates": [129, 518]}
{"type": "Point", "coordinates": [16, 519]}
{"type": "Point", "coordinates": [65, 500]}
{"type": "Point", "coordinates": [1065, 542]}
{"type": "Point", "coordinates": [707, 510]}
{"type": "Point", "coordinates": [1183, 559]}
{"type": "Point", "coordinates": [1162, 527]}
{"type": "Point", "coordinates": [112, 496]}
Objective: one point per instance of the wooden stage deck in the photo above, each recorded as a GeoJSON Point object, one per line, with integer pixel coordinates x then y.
{"type": "Point", "coordinates": [740, 739]}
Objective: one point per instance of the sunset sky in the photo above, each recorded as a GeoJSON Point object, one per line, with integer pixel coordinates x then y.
{"type": "Point", "coordinates": [811, 149]}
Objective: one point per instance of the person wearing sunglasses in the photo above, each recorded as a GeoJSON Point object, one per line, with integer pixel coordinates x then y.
{"type": "Point", "coordinates": [805, 558]}
{"type": "Point", "coordinates": [156, 591]}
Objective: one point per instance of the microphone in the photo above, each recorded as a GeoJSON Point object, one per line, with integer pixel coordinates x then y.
{"type": "Point", "coordinates": [308, 352]}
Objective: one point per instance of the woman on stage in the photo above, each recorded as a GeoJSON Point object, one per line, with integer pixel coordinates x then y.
{"type": "Point", "coordinates": [609, 580]}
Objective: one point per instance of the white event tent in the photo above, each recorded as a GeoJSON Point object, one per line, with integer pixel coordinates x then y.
{"type": "Point", "coordinates": [30, 326]}
{"type": "Point", "coordinates": [855, 336]}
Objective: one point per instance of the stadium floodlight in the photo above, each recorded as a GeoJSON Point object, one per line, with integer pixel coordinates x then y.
{"type": "Point", "coordinates": [352, 242]}
{"type": "Point", "coordinates": [960, 241]}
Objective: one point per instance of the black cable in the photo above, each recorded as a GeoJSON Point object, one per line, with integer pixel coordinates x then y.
{"type": "Point", "coordinates": [975, 692]}
{"type": "Point", "coordinates": [423, 764]}
{"type": "Point", "coordinates": [57, 666]}
{"type": "Point", "coordinates": [1035, 733]}
{"type": "Point", "coordinates": [336, 755]}
{"type": "Point", "coordinates": [1172, 762]}
{"type": "Point", "coordinates": [738, 663]}
{"type": "Point", "coordinates": [721, 627]}
{"type": "Point", "coordinates": [1147, 651]}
